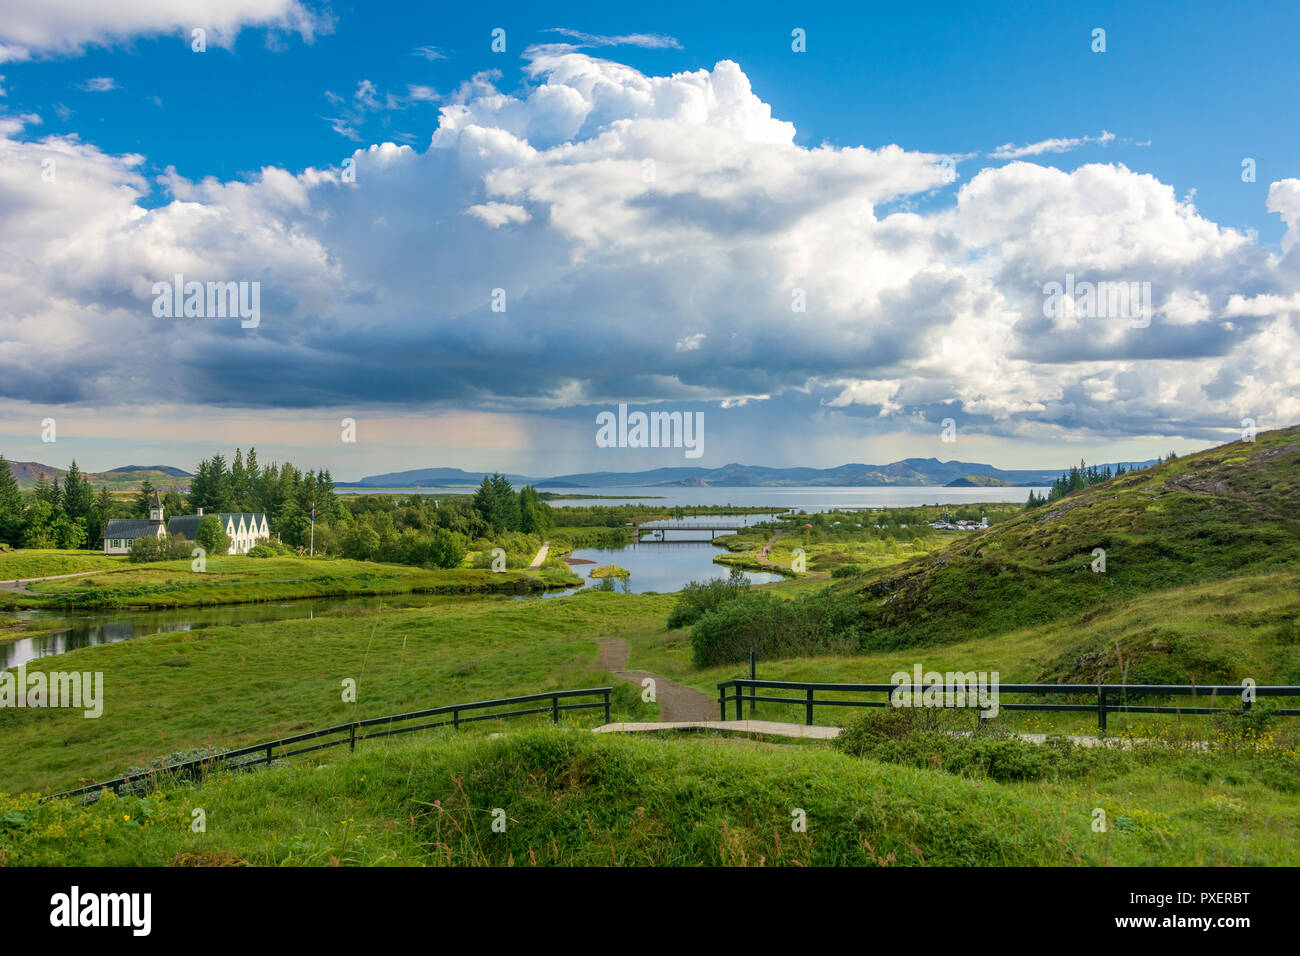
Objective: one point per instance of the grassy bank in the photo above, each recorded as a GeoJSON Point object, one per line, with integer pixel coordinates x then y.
{"type": "Point", "coordinates": [574, 798]}
{"type": "Point", "coordinates": [243, 580]}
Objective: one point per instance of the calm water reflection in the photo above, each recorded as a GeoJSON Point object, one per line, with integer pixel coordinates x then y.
{"type": "Point", "coordinates": [654, 567]}
{"type": "Point", "coordinates": [658, 567]}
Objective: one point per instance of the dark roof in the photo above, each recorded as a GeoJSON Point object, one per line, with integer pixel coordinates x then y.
{"type": "Point", "coordinates": [129, 528]}
{"type": "Point", "coordinates": [184, 525]}
{"type": "Point", "coordinates": [188, 525]}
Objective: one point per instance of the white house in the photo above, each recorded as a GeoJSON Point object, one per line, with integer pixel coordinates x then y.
{"type": "Point", "coordinates": [122, 532]}
{"type": "Point", "coordinates": [245, 530]}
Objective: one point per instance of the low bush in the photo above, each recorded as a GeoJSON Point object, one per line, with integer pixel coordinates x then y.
{"type": "Point", "coordinates": [168, 548]}
{"type": "Point", "coordinates": [950, 740]}
{"type": "Point", "coordinates": [759, 620]}
{"type": "Point", "coordinates": [701, 596]}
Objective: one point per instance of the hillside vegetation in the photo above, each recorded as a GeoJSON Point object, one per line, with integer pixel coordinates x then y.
{"type": "Point", "coordinates": [1227, 512]}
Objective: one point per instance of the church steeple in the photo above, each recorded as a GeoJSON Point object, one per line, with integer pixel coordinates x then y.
{"type": "Point", "coordinates": [156, 510]}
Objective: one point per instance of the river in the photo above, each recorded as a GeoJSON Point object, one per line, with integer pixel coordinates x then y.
{"type": "Point", "coordinates": [654, 567]}
{"type": "Point", "coordinates": [662, 567]}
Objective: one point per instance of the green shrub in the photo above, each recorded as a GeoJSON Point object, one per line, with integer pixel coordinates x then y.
{"type": "Point", "coordinates": [701, 596]}
{"type": "Point", "coordinates": [950, 740]}
{"type": "Point", "coordinates": [436, 548]}
{"type": "Point", "coordinates": [211, 536]}
{"type": "Point", "coordinates": [167, 548]}
{"type": "Point", "coordinates": [759, 620]}
{"type": "Point", "coordinates": [271, 548]}
{"type": "Point", "coordinates": [846, 571]}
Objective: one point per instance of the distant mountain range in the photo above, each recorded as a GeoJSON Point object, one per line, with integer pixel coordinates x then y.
{"type": "Point", "coordinates": [909, 471]}
{"type": "Point", "coordinates": [430, 478]}
{"type": "Point", "coordinates": [129, 476]}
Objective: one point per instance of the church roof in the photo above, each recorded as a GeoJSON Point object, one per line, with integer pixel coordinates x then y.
{"type": "Point", "coordinates": [188, 525]}
{"type": "Point", "coordinates": [129, 528]}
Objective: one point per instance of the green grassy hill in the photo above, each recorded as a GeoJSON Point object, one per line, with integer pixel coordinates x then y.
{"type": "Point", "coordinates": [574, 798]}
{"type": "Point", "coordinates": [1229, 512]}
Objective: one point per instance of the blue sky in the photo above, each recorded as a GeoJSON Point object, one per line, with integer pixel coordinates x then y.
{"type": "Point", "coordinates": [1124, 165]}
{"type": "Point", "coordinates": [1204, 84]}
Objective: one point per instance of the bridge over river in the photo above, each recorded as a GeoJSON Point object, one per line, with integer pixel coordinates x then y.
{"type": "Point", "coordinates": [660, 529]}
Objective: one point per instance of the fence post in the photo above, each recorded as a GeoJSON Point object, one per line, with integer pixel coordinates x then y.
{"type": "Point", "coordinates": [352, 738]}
{"type": "Point", "coordinates": [455, 720]}
{"type": "Point", "coordinates": [753, 675]}
{"type": "Point", "coordinates": [606, 696]}
{"type": "Point", "coordinates": [1101, 710]}
{"type": "Point", "coordinates": [740, 701]}
{"type": "Point", "coordinates": [268, 755]}
{"type": "Point", "coordinates": [808, 708]}
{"type": "Point", "coordinates": [555, 709]}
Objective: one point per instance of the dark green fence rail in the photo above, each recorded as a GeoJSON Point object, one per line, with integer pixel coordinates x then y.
{"type": "Point", "coordinates": [264, 754]}
{"type": "Point", "coordinates": [1107, 698]}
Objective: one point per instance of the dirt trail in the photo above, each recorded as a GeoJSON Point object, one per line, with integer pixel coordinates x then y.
{"type": "Point", "coordinates": [677, 702]}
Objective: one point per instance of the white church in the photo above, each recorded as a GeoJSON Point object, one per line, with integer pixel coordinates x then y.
{"type": "Point", "coordinates": [244, 530]}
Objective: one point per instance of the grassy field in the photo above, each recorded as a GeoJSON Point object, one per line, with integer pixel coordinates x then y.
{"type": "Point", "coordinates": [16, 565]}
{"type": "Point", "coordinates": [236, 685]}
{"type": "Point", "coordinates": [226, 686]}
{"type": "Point", "coordinates": [242, 580]}
{"type": "Point", "coordinates": [572, 798]}
{"type": "Point", "coordinates": [819, 556]}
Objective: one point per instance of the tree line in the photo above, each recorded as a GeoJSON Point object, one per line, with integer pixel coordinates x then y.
{"type": "Point", "coordinates": [427, 530]}
{"type": "Point", "coordinates": [1082, 476]}
{"type": "Point", "coordinates": [419, 529]}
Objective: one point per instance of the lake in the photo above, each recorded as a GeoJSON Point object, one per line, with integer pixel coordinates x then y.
{"type": "Point", "coordinates": [803, 497]}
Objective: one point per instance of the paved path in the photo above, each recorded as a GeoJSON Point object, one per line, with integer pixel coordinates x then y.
{"type": "Point", "coordinates": [779, 729]}
{"type": "Point", "coordinates": [677, 702]}
{"type": "Point", "coordinates": [541, 555]}
{"type": "Point", "coordinates": [19, 585]}
{"type": "Point", "coordinates": [770, 727]}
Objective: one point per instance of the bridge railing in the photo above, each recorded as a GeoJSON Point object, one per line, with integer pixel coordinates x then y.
{"type": "Point", "coordinates": [264, 754]}
{"type": "Point", "coordinates": [695, 527]}
{"type": "Point", "coordinates": [1107, 698]}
